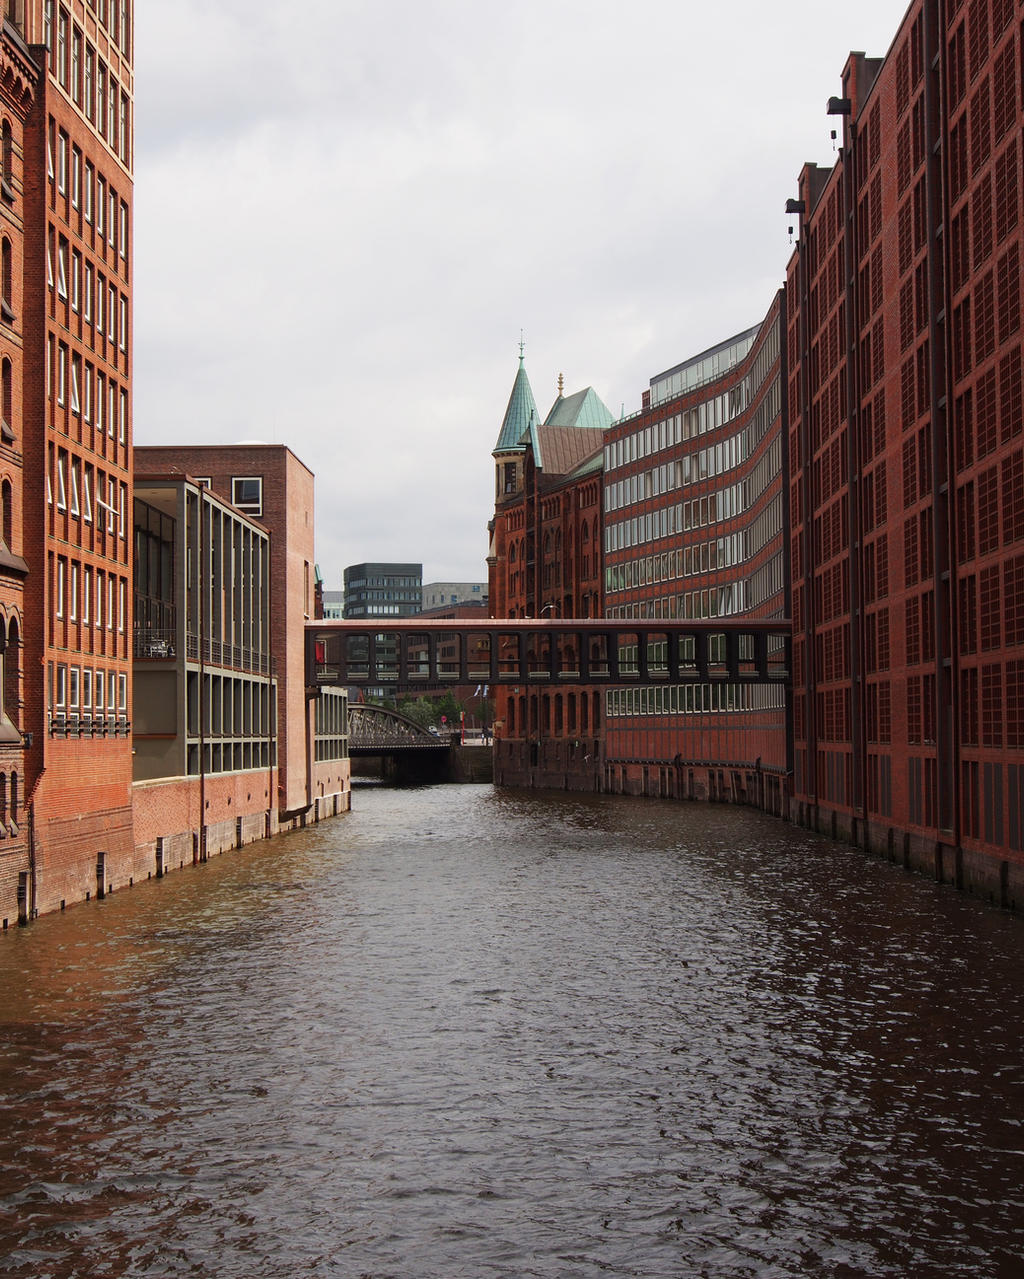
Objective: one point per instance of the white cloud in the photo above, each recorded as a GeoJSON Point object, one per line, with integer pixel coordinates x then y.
{"type": "Point", "coordinates": [346, 211]}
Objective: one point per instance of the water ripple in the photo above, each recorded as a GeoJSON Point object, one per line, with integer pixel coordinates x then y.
{"type": "Point", "coordinates": [473, 1033]}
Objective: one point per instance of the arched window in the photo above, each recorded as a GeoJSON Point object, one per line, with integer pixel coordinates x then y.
{"type": "Point", "coordinates": [7, 513]}
{"type": "Point", "coordinates": [7, 160]}
{"type": "Point", "coordinates": [7, 399]}
{"type": "Point", "coordinates": [6, 280]}
{"type": "Point", "coordinates": [510, 727]}
{"type": "Point", "coordinates": [11, 661]}
{"type": "Point", "coordinates": [14, 797]}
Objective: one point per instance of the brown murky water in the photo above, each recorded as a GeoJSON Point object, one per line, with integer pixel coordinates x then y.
{"type": "Point", "coordinates": [474, 1033]}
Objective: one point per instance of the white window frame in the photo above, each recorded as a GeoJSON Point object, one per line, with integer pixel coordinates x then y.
{"type": "Point", "coordinates": [249, 507]}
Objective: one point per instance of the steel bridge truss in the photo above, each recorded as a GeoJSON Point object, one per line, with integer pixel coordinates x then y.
{"type": "Point", "coordinates": [431, 652]}
{"type": "Point", "coordinates": [375, 730]}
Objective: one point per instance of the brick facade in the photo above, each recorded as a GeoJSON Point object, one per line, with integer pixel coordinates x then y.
{"type": "Point", "coordinates": [694, 528]}
{"type": "Point", "coordinates": [907, 484]}
{"type": "Point", "coordinates": [545, 561]}
{"type": "Point", "coordinates": [72, 193]}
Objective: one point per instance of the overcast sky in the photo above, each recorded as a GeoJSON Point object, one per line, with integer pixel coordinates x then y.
{"type": "Point", "coordinates": [347, 210]}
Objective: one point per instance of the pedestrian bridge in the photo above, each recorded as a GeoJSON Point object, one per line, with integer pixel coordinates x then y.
{"type": "Point", "coordinates": [402, 653]}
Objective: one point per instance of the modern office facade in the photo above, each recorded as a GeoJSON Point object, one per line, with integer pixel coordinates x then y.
{"type": "Point", "coordinates": [694, 527]}
{"type": "Point", "coordinates": [204, 717]}
{"type": "Point", "coordinates": [271, 486]}
{"type": "Point", "coordinates": [383, 590]}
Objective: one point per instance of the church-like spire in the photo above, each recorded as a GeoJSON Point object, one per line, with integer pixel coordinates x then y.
{"type": "Point", "coordinates": [522, 408]}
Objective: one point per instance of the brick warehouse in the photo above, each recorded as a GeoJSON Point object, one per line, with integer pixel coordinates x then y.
{"type": "Point", "coordinates": [19, 77]}
{"type": "Point", "coordinates": [67, 356]}
{"type": "Point", "coordinates": [907, 479]}
{"type": "Point", "coordinates": [544, 560]}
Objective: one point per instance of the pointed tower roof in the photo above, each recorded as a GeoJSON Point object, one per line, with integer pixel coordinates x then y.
{"type": "Point", "coordinates": [583, 409]}
{"type": "Point", "coordinates": [521, 412]}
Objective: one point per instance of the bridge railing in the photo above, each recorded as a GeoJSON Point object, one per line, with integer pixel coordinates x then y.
{"type": "Point", "coordinates": [557, 651]}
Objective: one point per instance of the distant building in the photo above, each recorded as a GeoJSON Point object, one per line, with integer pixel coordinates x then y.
{"type": "Point", "coordinates": [445, 594]}
{"type": "Point", "coordinates": [334, 604]}
{"type": "Point", "coordinates": [383, 590]}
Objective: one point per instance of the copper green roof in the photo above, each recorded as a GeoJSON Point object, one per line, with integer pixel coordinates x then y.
{"type": "Point", "coordinates": [521, 412]}
{"type": "Point", "coordinates": [583, 408]}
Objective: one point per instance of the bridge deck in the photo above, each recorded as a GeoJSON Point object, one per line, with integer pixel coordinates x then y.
{"type": "Point", "coordinates": [530, 651]}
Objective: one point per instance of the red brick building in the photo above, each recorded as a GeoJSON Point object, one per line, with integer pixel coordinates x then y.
{"type": "Point", "coordinates": [66, 329]}
{"type": "Point", "coordinates": [19, 85]}
{"type": "Point", "coordinates": [694, 528]}
{"type": "Point", "coordinates": [545, 561]}
{"type": "Point", "coordinates": [907, 478]}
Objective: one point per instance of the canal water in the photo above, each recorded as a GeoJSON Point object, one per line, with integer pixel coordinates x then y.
{"type": "Point", "coordinates": [465, 1032]}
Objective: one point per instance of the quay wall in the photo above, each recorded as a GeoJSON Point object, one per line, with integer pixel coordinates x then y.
{"type": "Point", "coordinates": [998, 881]}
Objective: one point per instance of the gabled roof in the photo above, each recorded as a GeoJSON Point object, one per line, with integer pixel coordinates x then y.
{"type": "Point", "coordinates": [520, 414]}
{"type": "Point", "coordinates": [581, 409]}
{"type": "Point", "coordinates": [561, 449]}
